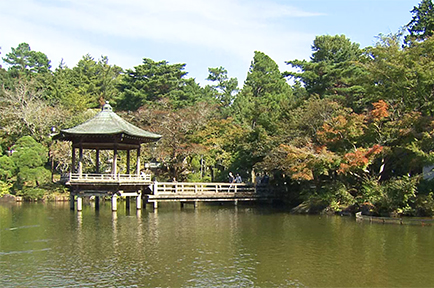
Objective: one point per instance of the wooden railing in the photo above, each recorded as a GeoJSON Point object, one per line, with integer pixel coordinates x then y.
{"type": "Point", "coordinates": [104, 178]}
{"type": "Point", "coordinates": [200, 188]}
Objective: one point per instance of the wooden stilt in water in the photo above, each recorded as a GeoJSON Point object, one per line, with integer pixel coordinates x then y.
{"type": "Point", "coordinates": [96, 203]}
{"type": "Point", "coordinates": [71, 201]}
{"type": "Point", "coordinates": [127, 203]}
{"type": "Point", "coordinates": [155, 205]}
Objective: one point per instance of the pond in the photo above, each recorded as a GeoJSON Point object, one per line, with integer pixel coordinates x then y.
{"type": "Point", "coordinates": [47, 245]}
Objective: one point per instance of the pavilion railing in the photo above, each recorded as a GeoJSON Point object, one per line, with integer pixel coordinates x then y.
{"type": "Point", "coordinates": [94, 177]}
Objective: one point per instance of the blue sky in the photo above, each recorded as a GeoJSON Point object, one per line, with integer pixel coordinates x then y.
{"type": "Point", "coordinates": [200, 33]}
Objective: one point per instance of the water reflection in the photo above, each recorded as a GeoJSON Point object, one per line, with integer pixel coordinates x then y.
{"type": "Point", "coordinates": [219, 246]}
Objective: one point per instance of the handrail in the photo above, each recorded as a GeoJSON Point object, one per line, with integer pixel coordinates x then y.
{"type": "Point", "coordinates": [76, 177]}
{"type": "Point", "coordinates": [201, 188]}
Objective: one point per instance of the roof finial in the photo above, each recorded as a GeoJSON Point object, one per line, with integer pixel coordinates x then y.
{"type": "Point", "coordinates": [107, 106]}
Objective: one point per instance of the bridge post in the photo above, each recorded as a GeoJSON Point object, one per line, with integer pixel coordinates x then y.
{"type": "Point", "coordinates": [114, 202]}
{"type": "Point", "coordinates": [127, 203]}
{"type": "Point", "coordinates": [96, 203]}
{"type": "Point", "coordinates": [71, 201]}
{"type": "Point", "coordinates": [155, 205]}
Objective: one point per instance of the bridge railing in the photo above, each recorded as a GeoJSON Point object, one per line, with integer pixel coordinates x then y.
{"type": "Point", "coordinates": [95, 177]}
{"type": "Point", "coordinates": [202, 188]}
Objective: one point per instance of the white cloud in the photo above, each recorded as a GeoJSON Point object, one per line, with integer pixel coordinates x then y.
{"type": "Point", "coordinates": [65, 28]}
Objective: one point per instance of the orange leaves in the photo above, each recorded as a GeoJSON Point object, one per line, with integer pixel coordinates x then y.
{"type": "Point", "coordinates": [303, 163]}
{"type": "Point", "coordinates": [359, 159]}
{"type": "Point", "coordinates": [380, 110]}
{"type": "Point", "coordinates": [342, 127]}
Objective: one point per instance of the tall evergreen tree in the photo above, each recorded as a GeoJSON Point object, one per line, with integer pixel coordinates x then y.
{"type": "Point", "coordinates": [421, 25]}
{"type": "Point", "coordinates": [331, 71]}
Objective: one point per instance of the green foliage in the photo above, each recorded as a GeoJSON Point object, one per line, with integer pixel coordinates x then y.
{"type": "Point", "coordinates": [264, 96]}
{"type": "Point", "coordinates": [331, 71]}
{"type": "Point", "coordinates": [155, 83]}
{"type": "Point", "coordinates": [5, 188]}
{"type": "Point", "coordinates": [421, 25]}
{"type": "Point", "coordinates": [23, 61]}
{"type": "Point", "coordinates": [32, 193]}
{"type": "Point", "coordinates": [7, 168]}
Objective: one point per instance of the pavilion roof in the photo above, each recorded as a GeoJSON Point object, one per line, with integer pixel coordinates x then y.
{"type": "Point", "coordinates": [106, 123]}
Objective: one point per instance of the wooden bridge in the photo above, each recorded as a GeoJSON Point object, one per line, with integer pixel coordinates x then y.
{"type": "Point", "coordinates": [147, 191]}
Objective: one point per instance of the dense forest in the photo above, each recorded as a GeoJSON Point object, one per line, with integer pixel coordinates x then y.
{"type": "Point", "coordinates": [352, 127]}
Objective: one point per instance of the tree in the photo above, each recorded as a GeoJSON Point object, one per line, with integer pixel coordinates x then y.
{"type": "Point", "coordinates": [421, 26]}
{"type": "Point", "coordinates": [264, 96]}
{"type": "Point", "coordinates": [24, 61]}
{"type": "Point", "coordinates": [24, 112]}
{"type": "Point", "coordinates": [331, 71]}
{"type": "Point", "coordinates": [156, 83]}
{"type": "Point", "coordinates": [224, 88]}
{"type": "Point", "coordinates": [88, 85]}
{"type": "Point", "coordinates": [401, 76]}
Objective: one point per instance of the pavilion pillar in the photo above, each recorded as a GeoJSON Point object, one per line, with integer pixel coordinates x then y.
{"type": "Point", "coordinates": [80, 161]}
{"type": "Point", "coordinates": [115, 162]}
{"type": "Point", "coordinates": [138, 162]}
{"type": "Point", "coordinates": [97, 161]}
{"type": "Point", "coordinates": [73, 160]}
{"type": "Point", "coordinates": [128, 161]}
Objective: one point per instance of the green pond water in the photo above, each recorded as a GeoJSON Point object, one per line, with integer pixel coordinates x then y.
{"type": "Point", "coordinates": [47, 245]}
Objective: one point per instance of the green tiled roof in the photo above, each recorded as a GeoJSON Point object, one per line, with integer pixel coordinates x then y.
{"type": "Point", "coordinates": [107, 122]}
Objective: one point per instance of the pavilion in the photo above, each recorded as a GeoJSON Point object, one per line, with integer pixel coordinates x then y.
{"type": "Point", "coordinates": [106, 131]}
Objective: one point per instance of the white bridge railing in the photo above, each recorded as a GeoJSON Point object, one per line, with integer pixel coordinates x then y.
{"type": "Point", "coordinates": [200, 188]}
{"type": "Point", "coordinates": [93, 177]}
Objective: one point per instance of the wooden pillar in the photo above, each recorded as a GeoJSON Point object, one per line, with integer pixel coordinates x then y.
{"type": "Point", "coordinates": [71, 201]}
{"type": "Point", "coordinates": [236, 202]}
{"type": "Point", "coordinates": [139, 201]}
{"type": "Point", "coordinates": [72, 170]}
{"type": "Point", "coordinates": [79, 203]}
{"type": "Point", "coordinates": [128, 161]}
{"type": "Point", "coordinates": [97, 161]}
{"type": "Point", "coordinates": [138, 162]}
{"type": "Point", "coordinates": [80, 161]}
{"type": "Point", "coordinates": [97, 203]}
{"type": "Point", "coordinates": [114, 202]}
{"type": "Point", "coordinates": [115, 162]}
{"type": "Point", "coordinates": [155, 204]}
{"type": "Point", "coordinates": [127, 203]}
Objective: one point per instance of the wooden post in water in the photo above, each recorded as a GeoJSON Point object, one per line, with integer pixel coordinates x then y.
{"type": "Point", "coordinates": [71, 201]}
{"type": "Point", "coordinates": [79, 203]}
{"type": "Point", "coordinates": [114, 202]}
{"type": "Point", "coordinates": [127, 203]}
{"type": "Point", "coordinates": [155, 205]}
{"type": "Point", "coordinates": [97, 203]}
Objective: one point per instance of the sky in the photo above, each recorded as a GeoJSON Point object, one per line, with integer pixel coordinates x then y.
{"type": "Point", "coordinates": [199, 33]}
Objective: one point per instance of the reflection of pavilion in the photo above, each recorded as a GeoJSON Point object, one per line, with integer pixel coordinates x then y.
{"type": "Point", "coordinates": [106, 131]}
